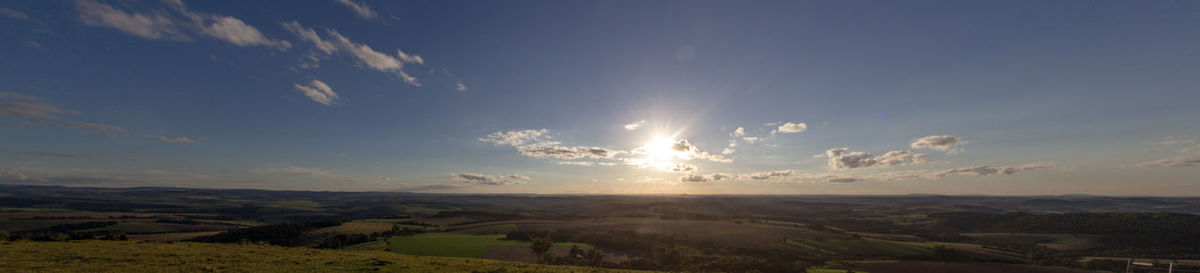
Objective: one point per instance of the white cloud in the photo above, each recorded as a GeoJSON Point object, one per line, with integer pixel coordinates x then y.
{"type": "Point", "coordinates": [843, 158]}
{"type": "Point", "coordinates": [791, 128]}
{"type": "Point", "coordinates": [239, 33]}
{"type": "Point", "coordinates": [408, 58]}
{"type": "Point", "coordinates": [538, 144]}
{"type": "Point", "coordinates": [750, 140]}
{"type": "Point", "coordinates": [158, 25]}
{"type": "Point", "coordinates": [739, 132]}
{"type": "Point", "coordinates": [460, 86]}
{"type": "Point", "coordinates": [361, 9]}
{"type": "Point", "coordinates": [366, 55]}
{"type": "Point", "coordinates": [682, 150]}
{"type": "Point", "coordinates": [945, 143]}
{"type": "Point", "coordinates": [562, 152]}
{"type": "Point", "coordinates": [318, 92]}
{"type": "Point", "coordinates": [635, 125]}
{"type": "Point", "coordinates": [520, 137]}
{"type": "Point", "coordinates": [728, 151]}
{"type": "Point", "coordinates": [696, 178]}
{"type": "Point", "coordinates": [184, 140]}
{"type": "Point", "coordinates": [683, 168]}
{"type": "Point", "coordinates": [310, 35]}
{"type": "Point", "coordinates": [176, 24]}
{"type": "Point", "coordinates": [490, 180]}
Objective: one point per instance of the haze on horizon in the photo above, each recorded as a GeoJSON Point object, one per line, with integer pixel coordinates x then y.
{"type": "Point", "coordinates": [695, 97]}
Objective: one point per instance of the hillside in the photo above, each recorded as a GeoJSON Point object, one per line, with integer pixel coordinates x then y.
{"type": "Point", "coordinates": [130, 256]}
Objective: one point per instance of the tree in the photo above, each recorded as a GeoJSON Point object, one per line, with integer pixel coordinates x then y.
{"type": "Point", "coordinates": [575, 253]}
{"type": "Point", "coordinates": [3, 235]}
{"type": "Point", "coordinates": [540, 246]}
{"type": "Point", "coordinates": [594, 257]}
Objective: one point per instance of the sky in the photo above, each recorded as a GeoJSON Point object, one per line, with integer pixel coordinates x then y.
{"type": "Point", "coordinates": [604, 97]}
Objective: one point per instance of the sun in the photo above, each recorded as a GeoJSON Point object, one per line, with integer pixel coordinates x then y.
{"type": "Point", "coordinates": [658, 153]}
{"type": "Point", "coordinates": [660, 148]}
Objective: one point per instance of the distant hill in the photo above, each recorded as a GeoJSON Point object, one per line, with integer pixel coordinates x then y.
{"type": "Point", "coordinates": [132, 256]}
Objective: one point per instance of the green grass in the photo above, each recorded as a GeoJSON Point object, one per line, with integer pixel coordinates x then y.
{"type": "Point", "coordinates": [452, 244]}
{"type": "Point", "coordinates": [372, 245]}
{"type": "Point", "coordinates": [495, 229]}
{"type": "Point", "coordinates": [448, 244]}
{"type": "Point", "coordinates": [130, 256]}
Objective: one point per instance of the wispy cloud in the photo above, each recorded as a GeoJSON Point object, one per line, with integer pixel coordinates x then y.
{"type": "Point", "coordinates": [635, 125]}
{"type": "Point", "coordinates": [32, 110]}
{"type": "Point", "coordinates": [109, 130]}
{"type": "Point", "coordinates": [176, 22]}
{"type": "Point", "coordinates": [771, 174]}
{"type": "Point", "coordinates": [1186, 157]}
{"type": "Point", "coordinates": [490, 180]}
{"type": "Point", "coordinates": [318, 92]}
{"type": "Point", "coordinates": [293, 171]}
{"type": "Point", "coordinates": [539, 144]}
{"type": "Point", "coordinates": [181, 140]}
{"type": "Point", "coordinates": [697, 178]}
{"type": "Point", "coordinates": [460, 86]}
{"type": "Point", "coordinates": [335, 42]}
{"type": "Point", "coordinates": [360, 9]}
{"type": "Point", "coordinates": [1170, 140]}
{"type": "Point", "coordinates": [10, 13]}
{"type": "Point", "coordinates": [1001, 170]}
{"type": "Point", "coordinates": [34, 113]}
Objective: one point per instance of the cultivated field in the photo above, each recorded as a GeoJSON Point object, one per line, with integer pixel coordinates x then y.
{"type": "Point", "coordinates": [448, 244]}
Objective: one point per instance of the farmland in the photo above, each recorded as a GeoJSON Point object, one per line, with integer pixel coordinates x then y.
{"type": "Point", "coordinates": [452, 244]}
{"type": "Point", "coordinates": [671, 233]}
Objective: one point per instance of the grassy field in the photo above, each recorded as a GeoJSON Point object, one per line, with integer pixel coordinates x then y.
{"type": "Point", "coordinates": [865, 247]}
{"type": "Point", "coordinates": [722, 233]}
{"type": "Point", "coordinates": [171, 237]}
{"type": "Point", "coordinates": [376, 245]}
{"type": "Point", "coordinates": [493, 229]}
{"type": "Point", "coordinates": [952, 267]}
{"type": "Point", "coordinates": [129, 256]}
{"type": "Point", "coordinates": [453, 244]}
{"type": "Point", "coordinates": [1057, 241]}
{"type": "Point", "coordinates": [448, 244]}
{"type": "Point", "coordinates": [357, 227]}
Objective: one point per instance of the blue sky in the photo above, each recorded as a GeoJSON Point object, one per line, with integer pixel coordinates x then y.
{"type": "Point", "coordinates": [645, 97]}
